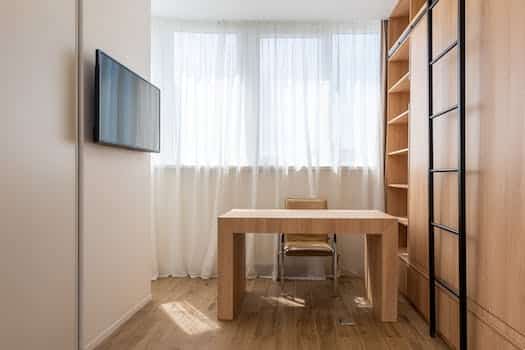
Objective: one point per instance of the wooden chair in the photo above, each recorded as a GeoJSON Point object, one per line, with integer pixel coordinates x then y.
{"type": "Point", "coordinates": [306, 244]}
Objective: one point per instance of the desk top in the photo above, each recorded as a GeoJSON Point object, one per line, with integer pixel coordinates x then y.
{"type": "Point", "coordinates": [306, 214]}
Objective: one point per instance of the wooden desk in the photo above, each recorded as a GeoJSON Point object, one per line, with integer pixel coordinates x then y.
{"type": "Point", "coordinates": [381, 237]}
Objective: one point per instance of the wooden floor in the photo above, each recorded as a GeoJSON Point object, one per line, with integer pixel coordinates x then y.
{"type": "Point", "coordinates": [183, 316]}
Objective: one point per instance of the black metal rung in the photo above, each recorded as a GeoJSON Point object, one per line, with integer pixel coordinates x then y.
{"type": "Point", "coordinates": [433, 4]}
{"type": "Point", "coordinates": [447, 287]}
{"type": "Point", "coordinates": [445, 228]}
{"type": "Point", "coordinates": [448, 110]}
{"type": "Point", "coordinates": [444, 52]}
{"type": "Point", "coordinates": [452, 170]}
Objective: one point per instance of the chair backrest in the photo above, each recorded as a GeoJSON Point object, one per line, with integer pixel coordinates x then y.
{"type": "Point", "coordinates": [305, 203]}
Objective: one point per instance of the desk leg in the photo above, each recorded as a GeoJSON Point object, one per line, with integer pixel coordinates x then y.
{"type": "Point", "coordinates": [231, 269]}
{"type": "Point", "coordinates": [383, 276]}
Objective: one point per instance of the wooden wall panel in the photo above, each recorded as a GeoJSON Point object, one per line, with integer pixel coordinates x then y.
{"type": "Point", "coordinates": [446, 199]}
{"type": "Point", "coordinates": [485, 332]}
{"type": "Point", "coordinates": [496, 158]}
{"type": "Point", "coordinates": [495, 171]}
{"type": "Point", "coordinates": [445, 22]}
{"type": "Point", "coordinates": [445, 82]}
{"type": "Point", "coordinates": [445, 146]}
{"type": "Point", "coordinates": [446, 140]}
{"type": "Point", "coordinates": [417, 290]}
{"type": "Point", "coordinates": [483, 337]}
{"type": "Point", "coordinates": [418, 144]}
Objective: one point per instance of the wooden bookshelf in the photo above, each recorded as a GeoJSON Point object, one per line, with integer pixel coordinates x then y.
{"type": "Point", "coordinates": [402, 20]}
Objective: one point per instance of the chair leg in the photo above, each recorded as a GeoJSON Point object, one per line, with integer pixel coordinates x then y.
{"type": "Point", "coordinates": [335, 269]}
{"type": "Point", "coordinates": [281, 261]}
{"type": "Point", "coordinates": [281, 270]}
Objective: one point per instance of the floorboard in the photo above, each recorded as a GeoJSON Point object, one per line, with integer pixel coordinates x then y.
{"type": "Point", "coordinates": [182, 316]}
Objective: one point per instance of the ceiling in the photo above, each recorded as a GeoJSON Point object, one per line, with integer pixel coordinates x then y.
{"type": "Point", "coordinates": [295, 10]}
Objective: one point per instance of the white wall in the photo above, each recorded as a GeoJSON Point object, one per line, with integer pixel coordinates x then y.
{"type": "Point", "coordinates": [37, 178]}
{"type": "Point", "coordinates": [291, 10]}
{"type": "Point", "coordinates": [115, 183]}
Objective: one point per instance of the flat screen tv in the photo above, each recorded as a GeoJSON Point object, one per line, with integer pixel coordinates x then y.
{"type": "Point", "coordinates": [127, 107]}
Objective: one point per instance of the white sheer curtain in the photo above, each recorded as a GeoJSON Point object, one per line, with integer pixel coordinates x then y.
{"type": "Point", "coordinates": [253, 113]}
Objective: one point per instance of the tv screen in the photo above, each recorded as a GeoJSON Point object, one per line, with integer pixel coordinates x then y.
{"type": "Point", "coordinates": [127, 107]}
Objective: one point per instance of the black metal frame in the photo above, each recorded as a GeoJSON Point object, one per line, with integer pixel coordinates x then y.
{"type": "Point", "coordinates": [461, 294]}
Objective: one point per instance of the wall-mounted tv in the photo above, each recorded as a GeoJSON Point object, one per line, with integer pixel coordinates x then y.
{"type": "Point", "coordinates": [127, 107]}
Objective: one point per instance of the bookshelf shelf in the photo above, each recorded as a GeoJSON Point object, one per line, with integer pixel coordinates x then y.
{"type": "Point", "coordinates": [402, 85]}
{"type": "Point", "coordinates": [400, 119]}
{"type": "Point", "coordinates": [399, 186]}
{"type": "Point", "coordinates": [399, 152]}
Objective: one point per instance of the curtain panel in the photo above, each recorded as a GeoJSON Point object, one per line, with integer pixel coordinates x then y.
{"type": "Point", "coordinates": [254, 112]}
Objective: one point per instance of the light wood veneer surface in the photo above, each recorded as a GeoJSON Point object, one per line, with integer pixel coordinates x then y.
{"type": "Point", "coordinates": [182, 316]}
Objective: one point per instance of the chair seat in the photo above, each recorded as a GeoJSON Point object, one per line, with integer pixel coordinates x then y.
{"type": "Point", "coordinates": [308, 248]}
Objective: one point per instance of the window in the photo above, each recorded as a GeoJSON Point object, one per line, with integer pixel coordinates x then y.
{"type": "Point", "coordinates": [246, 96]}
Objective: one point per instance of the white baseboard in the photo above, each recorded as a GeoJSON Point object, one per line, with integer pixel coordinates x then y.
{"type": "Point", "coordinates": [111, 329]}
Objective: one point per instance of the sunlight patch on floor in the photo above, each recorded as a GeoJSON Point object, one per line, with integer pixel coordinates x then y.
{"type": "Point", "coordinates": [188, 318]}
{"type": "Point", "coordinates": [286, 300]}
{"type": "Point", "coordinates": [363, 303]}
